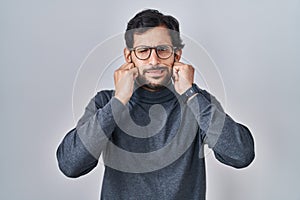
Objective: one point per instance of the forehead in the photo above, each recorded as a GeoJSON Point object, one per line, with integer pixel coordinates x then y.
{"type": "Point", "coordinates": [152, 37]}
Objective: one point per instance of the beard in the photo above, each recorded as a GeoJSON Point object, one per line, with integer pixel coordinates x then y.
{"type": "Point", "coordinates": [143, 81]}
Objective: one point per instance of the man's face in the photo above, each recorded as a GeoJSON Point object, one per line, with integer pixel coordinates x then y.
{"type": "Point", "coordinates": [154, 72]}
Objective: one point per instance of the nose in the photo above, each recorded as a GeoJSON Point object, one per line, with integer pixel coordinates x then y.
{"type": "Point", "coordinates": [153, 59]}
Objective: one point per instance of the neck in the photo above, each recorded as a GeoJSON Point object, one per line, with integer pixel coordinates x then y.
{"type": "Point", "coordinates": [154, 96]}
{"type": "Point", "coordinates": [152, 89]}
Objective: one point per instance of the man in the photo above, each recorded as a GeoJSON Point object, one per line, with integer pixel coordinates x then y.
{"type": "Point", "coordinates": [152, 127]}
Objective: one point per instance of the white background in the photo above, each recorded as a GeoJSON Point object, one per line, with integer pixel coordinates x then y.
{"type": "Point", "coordinates": [255, 45]}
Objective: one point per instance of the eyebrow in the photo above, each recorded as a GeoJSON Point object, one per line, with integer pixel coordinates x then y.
{"type": "Point", "coordinates": [153, 46]}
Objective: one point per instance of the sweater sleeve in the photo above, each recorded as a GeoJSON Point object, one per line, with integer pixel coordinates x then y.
{"type": "Point", "coordinates": [231, 142]}
{"type": "Point", "coordinates": [79, 151]}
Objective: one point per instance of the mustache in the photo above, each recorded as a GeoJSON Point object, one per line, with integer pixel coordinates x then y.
{"type": "Point", "coordinates": [155, 67]}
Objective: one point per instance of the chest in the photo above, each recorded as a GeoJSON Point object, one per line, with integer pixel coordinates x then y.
{"type": "Point", "coordinates": [147, 127]}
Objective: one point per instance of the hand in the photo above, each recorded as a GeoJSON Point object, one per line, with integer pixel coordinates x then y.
{"type": "Point", "coordinates": [124, 81]}
{"type": "Point", "coordinates": [183, 77]}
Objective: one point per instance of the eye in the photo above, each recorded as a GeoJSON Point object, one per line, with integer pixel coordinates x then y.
{"type": "Point", "coordinates": [163, 48]}
{"type": "Point", "coordinates": [142, 49]}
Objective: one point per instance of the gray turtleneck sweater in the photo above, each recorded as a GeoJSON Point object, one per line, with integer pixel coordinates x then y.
{"type": "Point", "coordinates": [153, 146]}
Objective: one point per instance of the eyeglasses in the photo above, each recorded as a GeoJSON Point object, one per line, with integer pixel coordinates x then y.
{"type": "Point", "coordinates": [162, 51]}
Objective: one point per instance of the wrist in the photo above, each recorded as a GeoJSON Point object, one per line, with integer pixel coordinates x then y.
{"type": "Point", "coordinates": [190, 93]}
{"type": "Point", "coordinates": [182, 89]}
{"type": "Point", "coordinates": [122, 100]}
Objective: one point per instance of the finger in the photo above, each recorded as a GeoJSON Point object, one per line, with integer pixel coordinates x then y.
{"type": "Point", "coordinates": [131, 66]}
{"type": "Point", "coordinates": [123, 66]}
{"type": "Point", "coordinates": [134, 71]}
{"type": "Point", "coordinates": [127, 66]}
{"type": "Point", "coordinates": [176, 68]}
{"type": "Point", "coordinates": [175, 75]}
{"type": "Point", "coordinates": [178, 64]}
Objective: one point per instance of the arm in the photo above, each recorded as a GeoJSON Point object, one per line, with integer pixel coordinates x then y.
{"type": "Point", "coordinates": [231, 142]}
{"type": "Point", "coordinates": [80, 149]}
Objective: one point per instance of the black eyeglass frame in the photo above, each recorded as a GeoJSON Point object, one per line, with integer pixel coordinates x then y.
{"type": "Point", "coordinates": [174, 49]}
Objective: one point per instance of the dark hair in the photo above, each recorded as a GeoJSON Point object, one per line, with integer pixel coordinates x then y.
{"type": "Point", "coordinates": [148, 19]}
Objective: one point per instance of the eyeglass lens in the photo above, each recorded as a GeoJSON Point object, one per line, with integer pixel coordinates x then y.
{"type": "Point", "coordinates": [162, 51]}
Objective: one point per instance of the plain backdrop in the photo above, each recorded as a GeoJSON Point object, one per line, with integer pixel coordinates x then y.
{"type": "Point", "coordinates": [254, 44]}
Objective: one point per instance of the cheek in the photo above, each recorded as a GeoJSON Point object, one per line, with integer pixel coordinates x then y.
{"type": "Point", "coordinates": [169, 65]}
{"type": "Point", "coordinates": [169, 62]}
{"type": "Point", "coordinates": [171, 70]}
{"type": "Point", "coordinates": [140, 70]}
{"type": "Point", "coordinates": [139, 63]}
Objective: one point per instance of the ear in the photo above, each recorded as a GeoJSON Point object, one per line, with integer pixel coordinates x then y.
{"type": "Point", "coordinates": [178, 55]}
{"type": "Point", "coordinates": [127, 55]}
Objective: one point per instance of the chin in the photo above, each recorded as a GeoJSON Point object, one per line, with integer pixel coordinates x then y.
{"type": "Point", "coordinates": [152, 83]}
{"type": "Point", "coordinates": [152, 86]}
{"type": "Point", "coordinates": [157, 85]}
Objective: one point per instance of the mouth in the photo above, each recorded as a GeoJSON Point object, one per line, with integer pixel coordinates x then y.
{"type": "Point", "coordinates": [154, 76]}
{"type": "Point", "coordinates": [155, 72]}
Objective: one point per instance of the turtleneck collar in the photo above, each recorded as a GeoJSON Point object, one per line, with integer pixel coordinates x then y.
{"type": "Point", "coordinates": [155, 97]}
